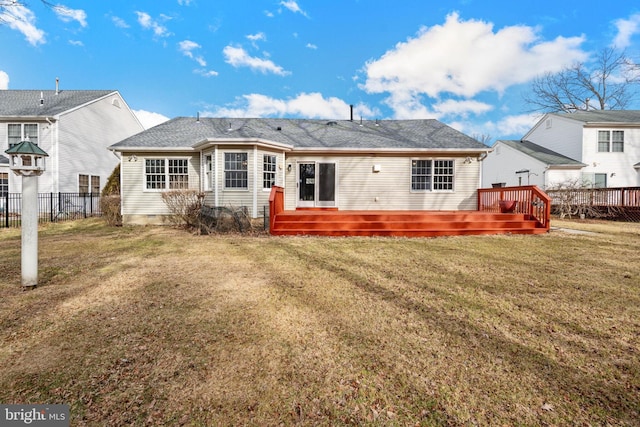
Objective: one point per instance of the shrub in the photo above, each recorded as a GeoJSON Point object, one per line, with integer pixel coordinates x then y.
{"type": "Point", "coordinates": [110, 207]}
{"type": "Point", "coordinates": [185, 207]}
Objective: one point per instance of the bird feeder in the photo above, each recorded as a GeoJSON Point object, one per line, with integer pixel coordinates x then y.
{"type": "Point", "coordinates": [27, 160]}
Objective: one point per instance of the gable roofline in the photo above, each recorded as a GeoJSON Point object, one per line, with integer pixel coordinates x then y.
{"type": "Point", "coordinates": [594, 119]}
{"type": "Point", "coordinates": [49, 104]}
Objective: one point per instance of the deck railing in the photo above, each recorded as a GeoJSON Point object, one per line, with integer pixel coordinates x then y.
{"type": "Point", "coordinates": [276, 204]}
{"type": "Point", "coordinates": [530, 200]}
{"type": "Point", "coordinates": [614, 197]}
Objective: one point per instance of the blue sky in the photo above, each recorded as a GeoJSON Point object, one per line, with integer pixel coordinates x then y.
{"type": "Point", "coordinates": [466, 63]}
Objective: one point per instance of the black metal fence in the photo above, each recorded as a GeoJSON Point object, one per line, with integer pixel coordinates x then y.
{"type": "Point", "coordinates": [52, 207]}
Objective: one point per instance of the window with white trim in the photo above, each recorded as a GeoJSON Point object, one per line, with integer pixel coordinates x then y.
{"type": "Point", "coordinates": [432, 175]}
{"type": "Point", "coordinates": [178, 174]}
{"type": "Point", "coordinates": [268, 171]}
{"type": "Point", "coordinates": [18, 132]}
{"type": "Point", "coordinates": [610, 141]}
{"type": "Point", "coordinates": [83, 184]}
{"type": "Point", "coordinates": [236, 174]}
{"type": "Point", "coordinates": [166, 174]}
{"type": "Point", "coordinates": [208, 165]}
{"type": "Point", "coordinates": [88, 184]}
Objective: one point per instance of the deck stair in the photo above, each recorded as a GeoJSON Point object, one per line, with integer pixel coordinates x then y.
{"type": "Point", "coordinates": [402, 223]}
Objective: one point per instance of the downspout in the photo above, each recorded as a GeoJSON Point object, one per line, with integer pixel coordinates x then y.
{"type": "Point", "coordinates": [55, 156]}
{"type": "Point", "coordinates": [254, 214]}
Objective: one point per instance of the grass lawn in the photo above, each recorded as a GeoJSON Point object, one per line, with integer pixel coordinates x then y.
{"type": "Point", "coordinates": [155, 326]}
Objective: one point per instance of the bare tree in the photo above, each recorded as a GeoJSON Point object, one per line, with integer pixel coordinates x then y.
{"type": "Point", "coordinates": [609, 84]}
{"type": "Point", "coordinates": [483, 138]}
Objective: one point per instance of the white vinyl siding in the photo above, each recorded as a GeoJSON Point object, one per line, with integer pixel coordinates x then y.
{"type": "Point", "coordinates": [359, 187]}
{"type": "Point", "coordinates": [140, 206]}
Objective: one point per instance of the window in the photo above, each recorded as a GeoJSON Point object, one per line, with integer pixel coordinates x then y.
{"type": "Point", "coordinates": [4, 184]}
{"type": "Point", "coordinates": [443, 174]}
{"type": "Point", "coordinates": [22, 132]}
{"type": "Point", "coordinates": [208, 162]}
{"type": "Point", "coordinates": [611, 141]}
{"type": "Point", "coordinates": [421, 175]}
{"type": "Point", "coordinates": [268, 171]}
{"type": "Point", "coordinates": [178, 174]}
{"type": "Point", "coordinates": [235, 170]}
{"type": "Point", "coordinates": [83, 184]}
{"type": "Point", "coordinates": [95, 184]}
{"type": "Point", "coordinates": [166, 174]}
{"type": "Point", "coordinates": [88, 184]}
{"type": "Point", "coordinates": [432, 175]}
{"type": "Point", "coordinates": [600, 180]}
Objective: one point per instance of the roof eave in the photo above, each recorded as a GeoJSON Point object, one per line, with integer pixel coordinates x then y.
{"type": "Point", "coordinates": [151, 149]}
{"type": "Point", "coordinates": [209, 142]}
{"type": "Point", "coordinates": [349, 150]}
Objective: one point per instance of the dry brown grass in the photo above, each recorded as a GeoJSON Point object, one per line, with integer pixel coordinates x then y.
{"type": "Point", "coordinates": [154, 326]}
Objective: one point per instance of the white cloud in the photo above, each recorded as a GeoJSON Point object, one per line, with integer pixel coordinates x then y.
{"type": "Point", "coordinates": [145, 20]}
{"type": "Point", "coordinates": [627, 28]}
{"type": "Point", "coordinates": [293, 6]}
{"type": "Point", "coordinates": [67, 14]}
{"type": "Point", "coordinates": [268, 14]}
{"type": "Point", "coordinates": [206, 73]}
{"type": "Point", "coordinates": [461, 108]}
{"type": "Point", "coordinates": [119, 22]}
{"type": "Point", "coordinates": [76, 43]}
{"type": "Point", "coordinates": [187, 47]}
{"type": "Point", "coordinates": [510, 125]}
{"type": "Point", "coordinates": [184, 2]}
{"type": "Point", "coordinates": [312, 46]}
{"type": "Point", "coordinates": [238, 57]}
{"type": "Point", "coordinates": [257, 37]}
{"type": "Point", "coordinates": [150, 119]}
{"type": "Point", "coordinates": [23, 20]}
{"type": "Point", "coordinates": [308, 105]}
{"type": "Point", "coordinates": [4, 80]}
{"type": "Point", "coordinates": [462, 59]}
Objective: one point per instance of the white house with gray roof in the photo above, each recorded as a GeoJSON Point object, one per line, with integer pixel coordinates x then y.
{"type": "Point", "coordinates": [516, 163]}
{"type": "Point", "coordinates": [342, 164]}
{"type": "Point", "coordinates": [605, 145]}
{"type": "Point", "coordinates": [74, 127]}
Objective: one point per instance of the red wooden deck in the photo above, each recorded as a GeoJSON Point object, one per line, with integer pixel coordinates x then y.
{"type": "Point", "coordinates": [526, 219]}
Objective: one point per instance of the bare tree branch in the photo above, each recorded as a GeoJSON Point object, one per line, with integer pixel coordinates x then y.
{"type": "Point", "coordinates": [609, 84]}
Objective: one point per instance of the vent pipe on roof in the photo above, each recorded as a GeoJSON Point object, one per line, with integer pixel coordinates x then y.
{"type": "Point", "coordinates": [351, 107]}
{"type": "Point", "coordinates": [41, 98]}
{"type": "Point", "coordinates": [198, 117]}
{"type": "Point", "coordinates": [57, 85]}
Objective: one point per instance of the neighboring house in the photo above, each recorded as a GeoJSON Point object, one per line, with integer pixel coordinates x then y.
{"type": "Point", "coordinates": [516, 163]}
{"type": "Point", "coordinates": [606, 143]}
{"type": "Point", "coordinates": [348, 165]}
{"type": "Point", "coordinates": [74, 127]}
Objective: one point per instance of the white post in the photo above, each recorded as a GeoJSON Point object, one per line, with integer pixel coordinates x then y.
{"type": "Point", "coordinates": [29, 230]}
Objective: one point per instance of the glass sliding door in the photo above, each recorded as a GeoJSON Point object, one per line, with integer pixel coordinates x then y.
{"type": "Point", "coordinates": [316, 184]}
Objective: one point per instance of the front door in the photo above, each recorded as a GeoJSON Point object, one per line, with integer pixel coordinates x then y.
{"type": "Point", "coordinates": [316, 184]}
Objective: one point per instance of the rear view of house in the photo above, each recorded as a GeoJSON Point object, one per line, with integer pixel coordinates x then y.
{"type": "Point", "coordinates": [344, 165]}
{"type": "Point", "coordinates": [74, 127]}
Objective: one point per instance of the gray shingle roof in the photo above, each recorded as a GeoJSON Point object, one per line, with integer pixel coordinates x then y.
{"type": "Point", "coordinates": [604, 116]}
{"type": "Point", "coordinates": [16, 103]}
{"type": "Point", "coordinates": [185, 132]}
{"type": "Point", "coordinates": [542, 154]}
{"type": "Point", "coordinates": [3, 160]}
